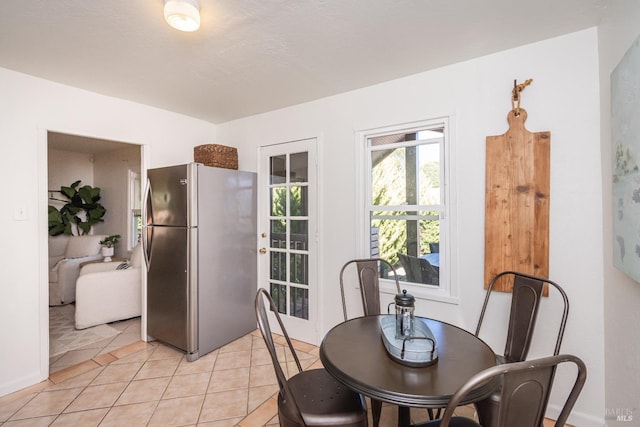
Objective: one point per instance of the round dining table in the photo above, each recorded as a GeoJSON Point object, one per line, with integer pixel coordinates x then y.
{"type": "Point", "coordinates": [353, 352]}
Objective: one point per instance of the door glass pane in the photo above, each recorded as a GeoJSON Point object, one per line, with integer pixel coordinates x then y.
{"type": "Point", "coordinates": [278, 201]}
{"type": "Point", "coordinates": [299, 167]}
{"type": "Point", "coordinates": [278, 266]}
{"type": "Point", "coordinates": [299, 195]}
{"type": "Point", "coordinates": [278, 169]}
{"type": "Point", "coordinates": [299, 269]}
{"type": "Point", "coordinates": [279, 295]}
{"type": "Point", "coordinates": [299, 235]}
{"type": "Point", "coordinates": [278, 233]}
{"type": "Point", "coordinates": [300, 302]}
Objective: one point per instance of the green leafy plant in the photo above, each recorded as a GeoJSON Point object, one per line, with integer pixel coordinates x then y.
{"type": "Point", "coordinates": [110, 241]}
{"type": "Point", "coordinates": [82, 211]}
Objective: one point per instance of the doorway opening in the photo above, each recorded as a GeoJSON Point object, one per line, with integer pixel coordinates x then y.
{"type": "Point", "coordinates": [116, 168]}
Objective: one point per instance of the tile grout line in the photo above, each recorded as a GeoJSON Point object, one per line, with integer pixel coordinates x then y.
{"type": "Point", "coordinates": [268, 408]}
{"type": "Point", "coordinates": [125, 351]}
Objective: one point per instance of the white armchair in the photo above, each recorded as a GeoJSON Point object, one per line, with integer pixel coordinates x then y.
{"type": "Point", "coordinates": [105, 294]}
{"type": "Point", "coordinates": [66, 253]}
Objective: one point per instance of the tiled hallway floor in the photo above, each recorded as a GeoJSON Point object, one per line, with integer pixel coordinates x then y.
{"type": "Point", "coordinates": [151, 384]}
{"type": "Point", "coordinates": [129, 334]}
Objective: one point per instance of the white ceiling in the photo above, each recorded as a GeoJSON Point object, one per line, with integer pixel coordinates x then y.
{"type": "Point", "coordinates": [252, 56]}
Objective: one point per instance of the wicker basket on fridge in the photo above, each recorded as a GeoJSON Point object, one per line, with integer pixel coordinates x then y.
{"type": "Point", "coordinates": [216, 155]}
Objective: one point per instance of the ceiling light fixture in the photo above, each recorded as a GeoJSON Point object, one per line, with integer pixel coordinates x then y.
{"type": "Point", "coordinates": [183, 15]}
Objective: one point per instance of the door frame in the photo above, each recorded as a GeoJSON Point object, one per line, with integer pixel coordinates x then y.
{"type": "Point", "coordinates": [315, 296]}
{"type": "Point", "coordinates": [43, 235]}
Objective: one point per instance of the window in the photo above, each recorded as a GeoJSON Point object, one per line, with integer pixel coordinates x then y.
{"type": "Point", "coordinates": [405, 203]}
{"type": "Point", "coordinates": [134, 211]}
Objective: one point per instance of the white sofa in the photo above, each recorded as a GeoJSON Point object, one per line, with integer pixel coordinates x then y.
{"type": "Point", "coordinates": [66, 253]}
{"type": "Point", "coordinates": [105, 294]}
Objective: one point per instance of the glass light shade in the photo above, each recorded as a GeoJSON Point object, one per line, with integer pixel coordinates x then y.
{"type": "Point", "coordinates": [183, 15]}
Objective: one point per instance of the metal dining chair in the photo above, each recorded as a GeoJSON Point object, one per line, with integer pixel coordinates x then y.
{"type": "Point", "coordinates": [308, 398]}
{"type": "Point", "coordinates": [419, 270]}
{"type": "Point", "coordinates": [524, 393]}
{"type": "Point", "coordinates": [367, 271]}
{"type": "Point", "coordinates": [525, 302]}
{"type": "Point", "coordinates": [368, 278]}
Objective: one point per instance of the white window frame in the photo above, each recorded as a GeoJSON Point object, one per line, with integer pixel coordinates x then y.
{"type": "Point", "coordinates": [447, 291]}
{"type": "Point", "coordinates": [134, 205]}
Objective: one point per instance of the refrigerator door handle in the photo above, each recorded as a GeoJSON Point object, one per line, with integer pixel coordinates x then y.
{"type": "Point", "coordinates": [147, 235]}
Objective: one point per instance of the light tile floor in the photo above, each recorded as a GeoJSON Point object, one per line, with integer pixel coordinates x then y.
{"type": "Point", "coordinates": [151, 384]}
{"type": "Point", "coordinates": [130, 333]}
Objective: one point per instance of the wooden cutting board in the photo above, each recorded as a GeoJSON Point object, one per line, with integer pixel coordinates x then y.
{"type": "Point", "coordinates": [517, 202]}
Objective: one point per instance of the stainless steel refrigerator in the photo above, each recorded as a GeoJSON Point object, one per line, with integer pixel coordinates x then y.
{"type": "Point", "coordinates": [199, 242]}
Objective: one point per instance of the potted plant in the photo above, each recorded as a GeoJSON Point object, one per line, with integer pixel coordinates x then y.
{"type": "Point", "coordinates": [81, 211]}
{"type": "Point", "coordinates": [108, 244]}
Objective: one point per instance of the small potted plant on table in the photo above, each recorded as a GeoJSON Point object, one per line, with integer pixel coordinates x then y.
{"type": "Point", "coordinates": [107, 246]}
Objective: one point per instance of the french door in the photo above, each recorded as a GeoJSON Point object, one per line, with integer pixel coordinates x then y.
{"type": "Point", "coordinates": [287, 261]}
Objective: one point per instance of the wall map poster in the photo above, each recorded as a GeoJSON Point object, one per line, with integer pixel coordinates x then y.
{"type": "Point", "coordinates": [625, 136]}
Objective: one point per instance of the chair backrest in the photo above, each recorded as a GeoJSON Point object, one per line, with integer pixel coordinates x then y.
{"type": "Point", "coordinates": [286, 393]}
{"type": "Point", "coordinates": [368, 278]}
{"type": "Point", "coordinates": [419, 270]}
{"type": "Point", "coordinates": [525, 302]}
{"type": "Point", "coordinates": [525, 391]}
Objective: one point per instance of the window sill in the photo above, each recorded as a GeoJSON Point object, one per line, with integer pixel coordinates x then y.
{"type": "Point", "coordinates": [424, 292]}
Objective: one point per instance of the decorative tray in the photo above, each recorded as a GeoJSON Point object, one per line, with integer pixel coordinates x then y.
{"type": "Point", "coordinates": [419, 350]}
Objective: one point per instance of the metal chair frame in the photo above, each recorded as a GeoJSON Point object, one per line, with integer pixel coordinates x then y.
{"type": "Point", "coordinates": [419, 270]}
{"type": "Point", "coordinates": [325, 388]}
{"type": "Point", "coordinates": [524, 393]}
{"type": "Point", "coordinates": [526, 296]}
{"type": "Point", "coordinates": [369, 280]}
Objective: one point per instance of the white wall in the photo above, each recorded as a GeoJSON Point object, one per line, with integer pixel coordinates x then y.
{"type": "Point", "coordinates": [28, 108]}
{"type": "Point", "coordinates": [112, 176]}
{"type": "Point", "coordinates": [66, 167]}
{"type": "Point", "coordinates": [562, 99]}
{"type": "Point", "coordinates": [621, 294]}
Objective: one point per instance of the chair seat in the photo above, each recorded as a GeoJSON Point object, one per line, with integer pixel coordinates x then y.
{"type": "Point", "coordinates": [323, 401]}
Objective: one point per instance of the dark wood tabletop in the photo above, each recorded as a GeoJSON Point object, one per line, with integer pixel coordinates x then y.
{"type": "Point", "coordinates": [353, 352]}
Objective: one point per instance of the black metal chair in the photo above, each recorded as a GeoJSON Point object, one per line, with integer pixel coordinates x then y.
{"type": "Point", "coordinates": [308, 398]}
{"type": "Point", "coordinates": [525, 302]}
{"type": "Point", "coordinates": [419, 270]}
{"type": "Point", "coordinates": [368, 279]}
{"type": "Point", "coordinates": [524, 393]}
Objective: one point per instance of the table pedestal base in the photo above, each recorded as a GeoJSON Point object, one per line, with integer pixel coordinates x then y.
{"type": "Point", "coordinates": [404, 416]}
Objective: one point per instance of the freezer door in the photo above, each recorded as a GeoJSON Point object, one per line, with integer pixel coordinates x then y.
{"type": "Point", "coordinates": [170, 297]}
{"type": "Point", "coordinates": [227, 256]}
{"type": "Point", "coordinates": [170, 198]}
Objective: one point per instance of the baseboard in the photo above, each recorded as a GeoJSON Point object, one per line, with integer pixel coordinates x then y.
{"type": "Point", "coordinates": [20, 384]}
{"type": "Point", "coordinates": [576, 418]}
